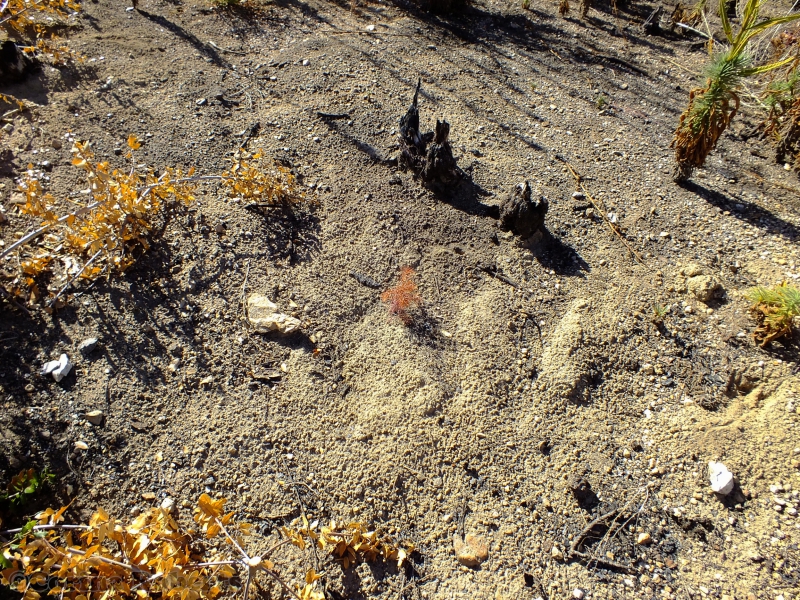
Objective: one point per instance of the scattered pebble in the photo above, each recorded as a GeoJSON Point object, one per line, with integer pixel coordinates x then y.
{"type": "Point", "coordinates": [703, 287]}
{"type": "Point", "coordinates": [644, 539]}
{"type": "Point", "coordinates": [471, 551]}
{"type": "Point", "coordinates": [81, 445]}
{"type": "Point", "coordinates": [95, 417]}
{"type": "Point", "coordinates": [87, 345]}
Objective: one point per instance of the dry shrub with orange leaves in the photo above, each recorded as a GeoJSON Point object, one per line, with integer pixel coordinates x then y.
{"type": "Point", "coordinates": [26, 19]}
{"type": "Point", "coordinates": [403, 296]}
{"type": "Point", "coordinates": [152, 556]}
{"type": "Point", "coordinates": [348, 543]}
{"type": "Point", "coordinates": [101, 236]}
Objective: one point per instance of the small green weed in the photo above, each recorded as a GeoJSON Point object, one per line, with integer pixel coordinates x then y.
{"type": "Point", "coordinates": [24, 485]}
{"type": "Point", "coordinates": [601, 102]}
{"type": "Point", "coordinates": [659, 312]}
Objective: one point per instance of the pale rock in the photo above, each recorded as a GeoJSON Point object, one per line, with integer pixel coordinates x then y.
{"type": "Point", "coordinates": [556, 553]}
{"type": "Point", "coordinates": [263, 315]}
{"type": "Point", "coordinates": [644, 539]}
{"type": "Point", "coordinates": [167, 504]}
{"type": "Point", "coordinates": [58, 368]}
{"type": "Point", "coordinates": [87, 345]}
{"type": "Point", "coordinates": [95, 417]}
{"type": "Point", "coordinates": [692, 270]}
{"type": "Point", "coordinates": [721, 478]}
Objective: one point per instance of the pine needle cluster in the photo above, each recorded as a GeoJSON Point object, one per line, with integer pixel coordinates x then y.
{"type": "Point", "coordinates": [775, 309]}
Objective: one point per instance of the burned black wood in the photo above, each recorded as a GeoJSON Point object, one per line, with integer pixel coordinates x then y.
{"type": "Point", "coordinates": [325, 115]}
{"type": "Point", "coordinates": [651, 25]}
{"type": "Point", "coordinates": [428, 155]}
{"type": "Point", "coordinates": [364, 280]}
{"type": "Point", "coordinates": [441, 167]}
{"type": "Point", "coordinates": [521, 214]}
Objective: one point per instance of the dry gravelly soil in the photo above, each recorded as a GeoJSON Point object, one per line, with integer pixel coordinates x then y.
{"type": "Point", "coordinates": [507, 391]}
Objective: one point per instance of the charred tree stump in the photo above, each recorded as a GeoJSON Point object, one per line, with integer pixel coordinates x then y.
{"type": "Point", "coordinates": [521, 214]}
{"type": "Point", "coordinates": [15, 65]}
{"type": "Point", "coordinates": [413, 145]}
{"type": "Point", "coordinates": [427, 155]}
{"type": "Point", "coordinates": [441, 167]}
{"type": "Point", "coordinates": [652, 25]}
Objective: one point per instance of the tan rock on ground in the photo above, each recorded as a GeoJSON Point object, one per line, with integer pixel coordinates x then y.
{"type": "Point", "coordinates": [471, 551]}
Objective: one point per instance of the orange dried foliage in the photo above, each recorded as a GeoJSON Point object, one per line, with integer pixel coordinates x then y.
{"type": "Point", "coordinates": [19, 17]}
{"type": "Point", "coordinates": [403, 296]}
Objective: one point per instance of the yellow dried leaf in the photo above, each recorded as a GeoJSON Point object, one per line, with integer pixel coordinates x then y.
{"type": "Point", "coordinates": [312, 576]}
{"type": "Point", "coordinates": [133, 142]}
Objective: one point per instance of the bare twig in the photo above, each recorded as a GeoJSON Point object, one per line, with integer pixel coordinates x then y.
{"type": "Point", "coordinates": [213, 45]}
{"type": "Point", "coordinates": [244, 286]}
{"type": "Point", "coordinates": [46, 528]}
{"type": "Point", "coordinates": [74, 277]}
{"type": "Point", "coordinates": [600, 210]}
{"type": "Point", "coordinates": [697, 31]}
{"type": "Point", "coordinates": [143, 191]}
{"type": "Point", "coordinates": [324, 115]}
{"type": "Point", "coordinates": [576, 554]}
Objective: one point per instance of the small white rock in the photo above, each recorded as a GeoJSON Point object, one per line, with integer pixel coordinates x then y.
{"type": "Point", "coordinates": [167, 504]}
{"type": "Point", "coordinates": [81, 446]}
{"type": "Point", "coordinates": [578, 593]}
{"type": "Point", "coordinates": [721, 478]}
{"type": "Point", "coordinates": [58, 368]}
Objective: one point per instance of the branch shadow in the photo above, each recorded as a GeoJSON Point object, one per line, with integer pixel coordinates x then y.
{"type": "Point", "coordinates": [752, 213]}
{"type": "Point", "coordinates": [179, 31]}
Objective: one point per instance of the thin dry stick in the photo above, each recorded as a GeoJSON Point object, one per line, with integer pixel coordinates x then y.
{"type": "Point", "coordinates": [244, 286]}
{"type": "Point", "coordinates": [587, 558]}
{"type": "Point", "coordinates": [74, 277]}
{"type": "Point", "coordinates": [46, 528]}
{"type": "Point", "coordinates": [303, 510]}
{"type": "Point", "coordinates": [253, 565]}
{"type": "Point", "coordinates": [599, 209]}
{"type": "Point", "coordinates": [759, 178]}
{"type": "Point", "coordinates": [368, 33]}
{"type": "Point", "coordinates": [680, 66]}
